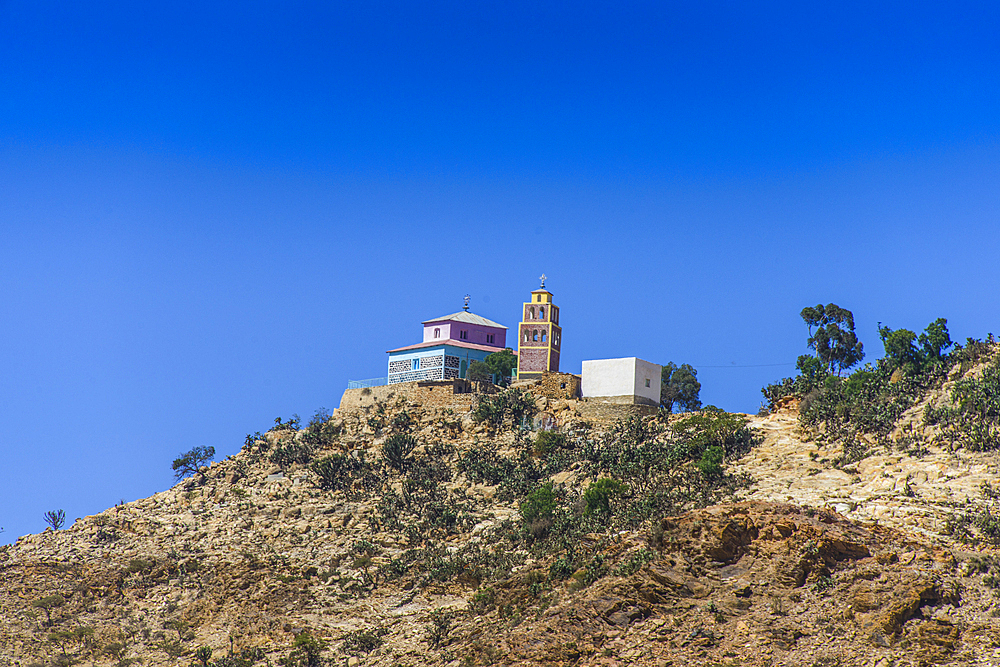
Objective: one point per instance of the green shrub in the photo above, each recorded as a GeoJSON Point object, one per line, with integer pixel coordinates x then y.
{"type": "Point", "coordinates": [599, 494]}
{"type": "Point", "coordinates": [635, 562]}
{"type": "Point", "coordinates": [710, 464]}
{"type": "Point", "coordinates": [337, 471]}
{"type": "Point", "coordinates": [321, 432]}
{"type": "Point", "coordinates": [396, 450]}
{"type": "Point", "coordinates": [366, 548]}
{"type": "Point", "coordinates": [561, 568]}
{"type": "Point", "coordinates": [481, 464]}
{"type": "Point", "coordinates": [713, 427]}
{"type": "Point", "coordinates": [306, 651]}
{"type": "Point", "coordinates": [483, 600]}
{"type": "Point", "coordinates": [660, 466]}
{"type": "Point", "coordinates": [402, 421]}
{"type": "Point", "coordinates": [290, 425]}
{"type": "Point", "coordinates": [364, 641]}
{"type": "Point", "coordinates": [47, 604]}
{"type": "Point", "coordinates": [540, 504]}
{"type": "Point", "coordinates": [439, 627]}
{"type": "Point", "coordinates": [286, 455]}
{"type": "Point", "coordinates": [511, 406]}
{"type": "Point", "coordinates": [548, 441]}
{"type": "Point", "coordinates": [203, 654]}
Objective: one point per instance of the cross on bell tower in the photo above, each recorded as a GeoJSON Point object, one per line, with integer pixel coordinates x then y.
{"type": "Point", "coordinates": [539, 336]}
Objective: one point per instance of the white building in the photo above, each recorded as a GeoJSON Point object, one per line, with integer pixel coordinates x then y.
{"type": "Point", "coordinates": [629, 381]}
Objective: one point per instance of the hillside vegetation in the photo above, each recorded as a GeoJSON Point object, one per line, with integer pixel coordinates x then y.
{"type": "Point", "coordinates": [848, 525]}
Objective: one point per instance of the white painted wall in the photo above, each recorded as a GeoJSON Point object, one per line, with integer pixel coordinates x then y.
{"type": "Point", "coordinates": [621, 377]}
{"type": "Point", "coordinates": [445, 328]}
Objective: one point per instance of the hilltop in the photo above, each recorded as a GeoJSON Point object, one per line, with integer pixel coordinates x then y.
{"type": "Point", "coordinates": [406, 532]}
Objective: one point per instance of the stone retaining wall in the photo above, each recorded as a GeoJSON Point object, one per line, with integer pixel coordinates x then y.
{"type": "Point", "coordinates": [456, 394]}
{"type": "Point", "coordinates": [600, 412]}
{"type": "Point", "coordinates": [558, 385]}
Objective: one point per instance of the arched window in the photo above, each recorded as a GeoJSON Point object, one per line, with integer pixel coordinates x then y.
{"type": "Point", "coordinates": [541, 312]}
{"type": "Point", "coordinates": [543, 336]}
{"type": "Point", "coordinates": [531, 313]}
{"type": "Point", "coordinates": [437, 333]}
{"type": "Point", "coordinates": [534, 335]}
{"type": "Point", "coordinates": [527, 336]}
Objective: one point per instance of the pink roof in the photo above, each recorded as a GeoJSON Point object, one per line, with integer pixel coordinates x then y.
{"type": "Point", "coordinates": [449, 341]}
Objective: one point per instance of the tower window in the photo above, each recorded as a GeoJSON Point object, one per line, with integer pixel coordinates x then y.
{"type": "Point", "coordinates": [437, 333]}
{"type": "Point", "coordinates": [534, 335]}
{"type": "Point", "coordinates": [531, 313]}
{"type": "Point", "coordinates": [543, 336]}
{"type": "Point", "coordinates": [527, 336]}
{"type": "Point", "coordinates": [541, 312]}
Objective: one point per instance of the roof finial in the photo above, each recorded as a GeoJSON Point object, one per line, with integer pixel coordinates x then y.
{"type": "Point", "coordinates": [466, 306]}
{"type": "Point", "coordinates": [543, 281]}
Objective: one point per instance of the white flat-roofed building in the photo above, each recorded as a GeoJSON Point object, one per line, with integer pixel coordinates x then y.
{"type": "Point", "coordinates": [628, 380]}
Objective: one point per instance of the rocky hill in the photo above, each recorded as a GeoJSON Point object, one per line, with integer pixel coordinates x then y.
{"type": "Point", "coordinates": [407, 534]}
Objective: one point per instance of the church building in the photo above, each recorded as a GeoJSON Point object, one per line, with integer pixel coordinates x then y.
{"type": "Point", "coordinates": [539, 336]}
{"type": "Point", "coordinates": [450, 344]}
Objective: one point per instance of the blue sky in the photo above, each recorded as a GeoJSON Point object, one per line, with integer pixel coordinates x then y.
{"type": "Point", "coordinates": [214, 214]}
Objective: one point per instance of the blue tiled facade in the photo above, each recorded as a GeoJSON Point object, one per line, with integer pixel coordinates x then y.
{"type": "Point", "coordinates": [440, 362]}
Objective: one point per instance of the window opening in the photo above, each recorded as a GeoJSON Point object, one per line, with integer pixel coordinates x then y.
{"type": "Point", "coordinates": [415, 364]}
{"type": "Point", "coordinates": [437, 333]}
{"type": "Point", "coordinates": [534, 335]}
{"type": "Point", "coordinates": [543, 336]}
{"type": "Point", "coordinates": [541, 312]}
{"type": "Point", "coordinates": [647, 382]}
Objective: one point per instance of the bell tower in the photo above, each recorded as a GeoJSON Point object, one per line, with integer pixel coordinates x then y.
{"type": "Point", "coordinates": [539, 336]}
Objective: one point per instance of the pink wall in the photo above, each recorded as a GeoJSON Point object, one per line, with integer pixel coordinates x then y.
{"type": "Point", "coordinates": [477, 333]}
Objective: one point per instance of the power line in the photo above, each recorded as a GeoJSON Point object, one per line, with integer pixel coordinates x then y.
{"type": "Point", "coordinates": [744, 366]}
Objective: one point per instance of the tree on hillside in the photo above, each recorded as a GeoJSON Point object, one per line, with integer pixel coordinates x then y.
{"type": "Point", "coordinates": [902, 352]}
{"type": "Point", "coordinates": [478, 372]}
{"type": "Point", "coordinates": [502, 365]}
{"type": "Point", "coordinates": [679, 385]}
{"type": "Point", "coordinates": [935, 340]}
{"type": "Point", "coordinates": [831, 335]}
{"type": "Point", "coordinates": [55, 518]}
{"type": "Point", "coordinates": [190, 461]}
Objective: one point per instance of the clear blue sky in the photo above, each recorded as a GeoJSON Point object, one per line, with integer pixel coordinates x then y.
{"type": "Point", "coordinates": [213, 214]}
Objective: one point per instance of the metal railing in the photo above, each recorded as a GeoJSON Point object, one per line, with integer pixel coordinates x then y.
{"type": "Point", "coordinates": [371, 382]}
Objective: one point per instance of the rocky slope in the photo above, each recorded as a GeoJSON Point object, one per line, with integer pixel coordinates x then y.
{"type": "Point", "coordinates": [816, 565]}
